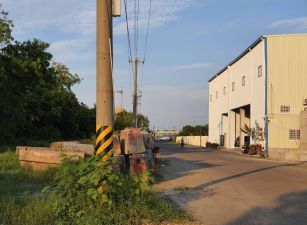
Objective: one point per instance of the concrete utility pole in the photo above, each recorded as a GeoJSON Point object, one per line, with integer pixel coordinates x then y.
{"type": "Point", "coordinates": [121, 92]}
{"type": "Point", "coordinates": [136, 61]}
{"type": "Point", "coordinates": [104, 81]}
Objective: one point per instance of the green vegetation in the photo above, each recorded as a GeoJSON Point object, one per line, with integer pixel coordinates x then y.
{"type": "Point", "coordinates": [78, 192]}
{"type": "Point", "coordinates": [125, 119]}
{"type": "Point", "coordinates": [37, 104]}
{"type": "Point", "coordinates": [36, 99]}
{"type": "Point", "coordinates": [194, 130]}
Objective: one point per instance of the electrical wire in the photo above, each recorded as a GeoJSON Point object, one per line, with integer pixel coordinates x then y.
{"type": "Point", "coordinates": [136, 37]}
{"type": "Point", "coordinates": [129, 46]}
{"type": "Point", "coordinates": [147, 32]}
{"type": "Point", "coordinates": [146, 43]}
{"type": "Point", "coordinates": [137, 25]}
{"type": "Point", "coordinates": [128, 32]}
{"type": "Point", "coordinates": [134, 30]}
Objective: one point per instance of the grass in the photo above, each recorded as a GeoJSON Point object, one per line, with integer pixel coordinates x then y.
{"type": "Point", "coordinates": [22, 202]}
{"type": "Point", "coordinates": [16, 181]}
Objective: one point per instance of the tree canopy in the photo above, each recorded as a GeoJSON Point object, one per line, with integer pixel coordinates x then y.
{"type": "Point", "coordinates": [6, 26]}
{"type": "Point", "coordinates": [36, 100]}
{"type": "Point", "coordinates": [194, 130]}
{"type": "Point", "coordinates": [125, 119]}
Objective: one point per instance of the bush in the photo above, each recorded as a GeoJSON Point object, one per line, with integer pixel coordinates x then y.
{"type": "Point", "coordinates": [212, 145]}
{"type": "Point", "coordinates": [79, 192]}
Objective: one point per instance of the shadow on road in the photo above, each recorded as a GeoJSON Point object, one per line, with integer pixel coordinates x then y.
{"type": "Point", "coordinates": [180, 167]}
{"type": "Point", "coordinates": [291, 210]}
{"type": "Point", "coordinates": [206, 185]}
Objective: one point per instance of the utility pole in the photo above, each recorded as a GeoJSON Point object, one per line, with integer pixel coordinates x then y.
{"type": "Point", "coordinates": [121, 92]}
{"type": "Point", "coordinates": [104, 78]}
{"type": "Point", "coordinates": [136, 61]}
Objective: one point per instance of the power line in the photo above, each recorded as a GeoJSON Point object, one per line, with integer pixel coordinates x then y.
{"type": "Point", "coordinates": [137, 25]}
{"type": "Point", "coordinates": [129, 46]}
{"type": "Point", "coordinates": [147, 32]}
{"type": "Point", "coordinates": [134, 60]}
{"type": "Point", "coordinates": [128, 32]}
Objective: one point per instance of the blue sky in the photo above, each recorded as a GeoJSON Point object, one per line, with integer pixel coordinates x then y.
{"type": "Point", "coordinates": [189, 41]}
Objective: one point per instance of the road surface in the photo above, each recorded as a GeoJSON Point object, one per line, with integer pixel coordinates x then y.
{"type": "Point", "coordinates": [222, 188]}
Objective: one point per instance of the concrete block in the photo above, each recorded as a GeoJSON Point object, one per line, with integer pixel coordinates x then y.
{"type": "Point", "coordinates": [70, 146]}
{"type": "Point", "coordinates": [116, 146]}
{"type": "Point", "coordinates": [120, 165]}
{"type": "Point", "coordinates": [39, 158]}
{"type": "Point", "coordinates": [138, 164]}
{"type": "Point", "coordinates": [150, 158]}
{"type": "Point", "coordinates": [148, 140]}
{"type": "Point", "coordinates": [132, 141]}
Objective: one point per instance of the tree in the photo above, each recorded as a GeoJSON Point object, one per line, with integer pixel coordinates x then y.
{"type": "Point", "coordinates": [37, 101]}
{"type": "Point", "coordinates": [194, 130]}
{"type": "Point", "coordinates": [36, 98]}
{"type": "Point", "coordinates": [143, 122]}
{"type": "Point", "coordinates": [64, 76]}
{"type": "Point", "coordinates": [125, 119]}
{"type": "Point", "coordinates": [6, 26]}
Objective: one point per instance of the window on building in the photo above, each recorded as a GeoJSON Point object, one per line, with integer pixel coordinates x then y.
{"type": "Point", "coordinates": [284, 108]}
{"type": "Point", "coordinates": [259, 71]}
{"type": "Point", "coordinates": [233, 86]}
{"type": "Point", "coordinates": [224, 91]}
{"type": "Point", "coordinates": [216, 94]}
{"type": "Point", "coordinates": [243, 81]}
{"type": "Point", "coordinates": [294, 134]}
{"type": "Point", "coordinates": [210, 98]}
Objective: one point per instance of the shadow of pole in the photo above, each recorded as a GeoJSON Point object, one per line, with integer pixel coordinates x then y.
{"type": "Point", "coordinates": [291, 210]}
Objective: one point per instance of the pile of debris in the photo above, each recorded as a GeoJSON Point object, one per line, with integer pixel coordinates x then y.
{"type": "Point", "coordinates": [133, 150]}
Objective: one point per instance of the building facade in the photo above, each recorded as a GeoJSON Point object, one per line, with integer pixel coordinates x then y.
{"type": "Point", "coordinates": [267, 85]}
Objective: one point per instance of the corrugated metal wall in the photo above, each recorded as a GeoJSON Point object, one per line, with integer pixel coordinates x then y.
{"type": "Point", "coordinates": [287, 85]}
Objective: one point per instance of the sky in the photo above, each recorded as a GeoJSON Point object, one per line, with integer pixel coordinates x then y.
{"type": "Point", "coordinates": [189, 41]}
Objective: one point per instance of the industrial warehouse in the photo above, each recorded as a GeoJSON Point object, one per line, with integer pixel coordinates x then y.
{"type": "Point", "coordinates": [264, 87]}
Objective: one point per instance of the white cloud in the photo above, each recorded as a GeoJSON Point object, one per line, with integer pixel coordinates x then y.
{"type": "Point", "coordinates": [69, 16]}
{"type": "Point", "coordinates": [162, 11]}
{"type": "Point", "coordinates": [76, 51]}
{"type": "Point", "coordinates": [79, 16]}
{"type": "Point", "coordinates": [296, 24]}
{"type": "Point", "coordinates": [191, 66]}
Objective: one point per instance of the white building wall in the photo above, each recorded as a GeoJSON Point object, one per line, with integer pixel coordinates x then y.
{"type": "Point", "coordinates": [258, 85]}
{"type": "Point", "coordinates": [252, 93]}
{"type": "Point", "coordinates": [218, 104]}
{"type": "Point", "coordinates": [241, 95]}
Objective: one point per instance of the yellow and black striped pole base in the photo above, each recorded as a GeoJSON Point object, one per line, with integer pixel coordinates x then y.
{"type": "Point", "coordinates": [104, 141]}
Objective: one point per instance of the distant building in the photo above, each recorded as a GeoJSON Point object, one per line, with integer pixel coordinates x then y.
{"type": "Point", "coordinates": [267, 84]}
{"type": "Point", "coordinates": [163, 133]}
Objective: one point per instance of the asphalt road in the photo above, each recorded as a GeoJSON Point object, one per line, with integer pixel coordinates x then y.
{"type": "Point", "coordinates": [222, 188]}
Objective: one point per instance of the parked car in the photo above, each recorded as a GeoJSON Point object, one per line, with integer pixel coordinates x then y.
{"type": "Point", "coordinates": [165, 138]}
